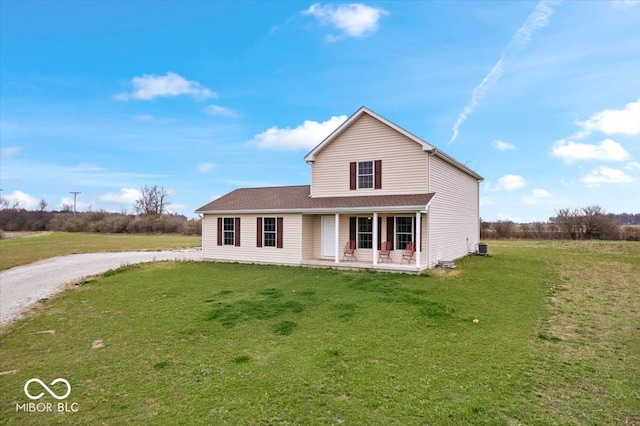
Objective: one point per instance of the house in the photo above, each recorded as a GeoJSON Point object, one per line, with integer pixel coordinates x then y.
{"type": "Point", "coordinates": [371, 182]}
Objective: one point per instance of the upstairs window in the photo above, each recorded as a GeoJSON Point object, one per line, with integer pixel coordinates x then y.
{"type": "Point", "coordinates": [365, 174]}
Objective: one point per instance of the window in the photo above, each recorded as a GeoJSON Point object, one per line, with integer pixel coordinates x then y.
{"type": "Point", "coordinates": [365, 233]}
{"type": "Point", "coordinates": [365, 174]}
{"type": "Point", "coordinates": [229, 231]}
{"type": "Point", "coordinates": [404, 231]}
{"type": "Point", "coordinates": [269, 230]}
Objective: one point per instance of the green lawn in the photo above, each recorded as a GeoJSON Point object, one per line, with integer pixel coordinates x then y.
{"type": "Point", "coordinates": [557, 342]}
{"type": "Point", "coordinates": [21, 251]}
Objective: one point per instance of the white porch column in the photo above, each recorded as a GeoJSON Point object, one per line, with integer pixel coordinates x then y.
{"type": "Point", "coordinates": [418, 237]}
{"type": "Point", "coordinates": [375, 239]}
{"type": "Point", "coordinates": [337, 238]}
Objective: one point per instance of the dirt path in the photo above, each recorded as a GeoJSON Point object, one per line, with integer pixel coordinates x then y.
{"type": "Point", "coordinates": [22, 286]}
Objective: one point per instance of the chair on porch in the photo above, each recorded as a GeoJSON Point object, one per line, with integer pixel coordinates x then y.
{"type": "Point", "coordinates": [384, 255]}
{"type": "Point", "coordinates": [409, 252]}
{"type": "Point", "coordinates": [349, 251]}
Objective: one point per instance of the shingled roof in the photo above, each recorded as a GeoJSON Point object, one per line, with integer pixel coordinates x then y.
{"type": "Point", "coordinates": [296, 199]}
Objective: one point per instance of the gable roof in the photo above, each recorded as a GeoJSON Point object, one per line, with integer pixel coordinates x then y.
{"type": "Point", "coordinates": [296, 199]}
{"type": "Point", "coordinates": [311, 156]}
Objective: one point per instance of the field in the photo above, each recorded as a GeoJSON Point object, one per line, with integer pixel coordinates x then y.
{"type": "Point", "coordinates": [556, 341]}
{"type": "Point", "coordinates": [38, 246]}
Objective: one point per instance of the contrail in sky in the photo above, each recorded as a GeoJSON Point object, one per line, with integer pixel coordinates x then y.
{"type": "Point", "coordinates": [538, 19]}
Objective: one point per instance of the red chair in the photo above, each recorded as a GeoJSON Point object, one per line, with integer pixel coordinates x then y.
{"type": "Point", "coordinates": [409, 252]}
{"type": "Point", "coordinates": [384, 255]}
{"type": "Point", "coordinates": [349, 252]}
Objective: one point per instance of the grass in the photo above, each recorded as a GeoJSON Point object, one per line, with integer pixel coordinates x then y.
{"type": "Point", "coordinates": [557, 341]}
{"type": "Point", "coordinates": [22, 251]}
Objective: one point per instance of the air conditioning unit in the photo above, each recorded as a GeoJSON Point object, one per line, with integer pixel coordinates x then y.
{"type": "Point", "coordinates": [483, 249]}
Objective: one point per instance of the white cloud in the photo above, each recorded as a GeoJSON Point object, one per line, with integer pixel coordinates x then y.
{"type": "Point", "coordinates": [602, 174]}
{"type": "Point", "coordinates": [507, 183]}
{"type": "Point", "coordinates": [354, 20]}
{"type": "Point", "coordinates": [613, 121]}
{"type": "Point", "coordinates": [538, 19]}
{"type": "Point", "coordinates": [125, 196]}
{"type": "Point", "coordinates": [625, 3]}
{"type": "Point", "coordinates": [220, 110]}
{"type": "Point", "coordinates": [205, 167]}
{"type": "Point", "coordinates": [504, 216]}
{"type": "Point", "coordinates": [143, 117]}
{"type": "Point", "coordinates": [307, 135]}
{"type": "Point", "coordinates": [88, 167]}
{"type": "Point", "coordinates": [535, 196]}
{"type": "Point", "coordinates": [541, 193]}
{"type": "Point", "coordinates": [502, 146]}
{"type": "Point", "coordinates": [607, 150]}
{"type": "Point", "coordinates": [148, 87]}
{"type": "Point", "coordinates": [633, 165]}
{"type": "Point", "coordinates": [24, 200]}
{"type": "Point", "coordinates": [10, 151]}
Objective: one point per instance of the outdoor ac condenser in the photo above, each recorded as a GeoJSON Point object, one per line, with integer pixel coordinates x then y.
{"type": "Point", "coordinates": [483, 249]}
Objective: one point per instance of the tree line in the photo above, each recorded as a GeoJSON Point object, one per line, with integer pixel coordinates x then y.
{"type": "Point", "coordinates": [586, 223]}
{"type": "Point", "coordinates": [151, 216]}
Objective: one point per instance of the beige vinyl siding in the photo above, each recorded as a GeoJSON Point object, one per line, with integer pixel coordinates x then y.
{"type": "Point", "coordinates": [310, 236]}
{"type": "Point", "coordinates": [404, 162]}
{"type": "Point", "coordinates": [248, 251]}
{"type": "Point", "coordinates": [454, 227]}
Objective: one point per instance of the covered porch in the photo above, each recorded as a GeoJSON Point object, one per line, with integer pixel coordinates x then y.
{"type": "Point", "coordinates": [370, 231]}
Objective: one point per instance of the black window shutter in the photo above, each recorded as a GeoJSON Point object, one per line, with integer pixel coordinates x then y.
{"type": "Point", "coordinates": [377, 174]}
{"type": "Point", "coordinates": [237, 232]}
{"type": "Point", "coordinates": [379, 233]}
{"type": "Point", "coordinates": [279, 223]}
{"type": "Point", "coordinates": [352, 228]}
{"type": "Point", "coordinates": [259, 233]}
{"type": "Point", "coordinates": [390, 230]}
{"type": "Point", "coordinates": [219, 231]}
{"type": "Point", "coordinates": [353, 176]}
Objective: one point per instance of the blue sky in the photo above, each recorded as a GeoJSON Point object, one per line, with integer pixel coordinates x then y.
{"type": "Point", "coordinates": [541, 98]}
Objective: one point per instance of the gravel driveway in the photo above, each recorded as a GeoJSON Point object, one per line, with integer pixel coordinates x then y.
{"type": "Point", "coordinates": [22, 286]}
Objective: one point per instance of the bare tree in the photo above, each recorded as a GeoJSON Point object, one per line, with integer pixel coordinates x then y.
{"type": "Point", "coordinates": [152, 201]}
{"type": "Point", "coordinates": [43, 205]}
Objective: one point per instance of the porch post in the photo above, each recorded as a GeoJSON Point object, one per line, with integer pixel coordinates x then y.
{"type": "Point", "coordinates": [418, 237]}
{"type": "Point", "coordinates": [375, 239]}
{"type": "Point", "coordinates": [337, 238]}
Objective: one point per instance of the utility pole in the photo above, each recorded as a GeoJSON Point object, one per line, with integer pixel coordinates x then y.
{"type": "Point", "coordinates": [75, 195]}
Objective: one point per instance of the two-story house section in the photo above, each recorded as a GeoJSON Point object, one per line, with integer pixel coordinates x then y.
{"type": "Point", "coordinates": [395, 200]}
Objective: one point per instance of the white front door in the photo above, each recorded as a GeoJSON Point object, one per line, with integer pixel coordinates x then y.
{"type": "Point", "coordinates": [329, 237]}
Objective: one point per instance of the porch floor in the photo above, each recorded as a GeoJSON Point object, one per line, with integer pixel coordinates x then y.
{"type": "Point", "coordinates": [365, 266]}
